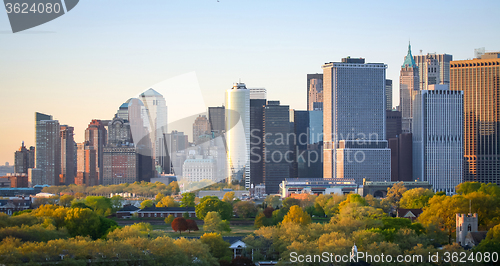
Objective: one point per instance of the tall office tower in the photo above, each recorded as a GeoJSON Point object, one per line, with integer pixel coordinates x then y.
{"type": "Point", "coordinates": [48, 150]}
{"type": "Point", "coordinates": [354, 121]}
{"type": "Point", "coordinates": [433, 69]}
{"type": "Point", "coordinates": [401, 157]}
{"type": "Point", "coordinates": [393, 124]}
{"type": "Point", "coordinates": [201, 126]}
{"type": "Point", "coordinates": [238, 133]}
{"type": "Point", "coordinates": [67, 176]}
{"type": "Point", "coordinates": [96, 136]}
{"type": "Point", "coordinates": [256, 140]}
{"type": "Point", "coordinates": [141, 139]}
{"type": "Point", "coordinates": [120, 160]}
{"type": "Point", "coordinates": [86, 170]}
{"type": "Point", "coordinates": [315, 126]}
{"type": "Point", "coordinates": [318, 79]}
{"type": "Point", "coordinates": [217, 119]}
{"type": "Point", "coordinates": [438, 137]}
{"type": "Point", "coordinates": [23, 159]}
{"type": "Point", "coordinates": [307, 144]}
{"type": "Point", "coordinates": [258, 93]}
{"type": "Point", "coordinates": [156, 110]}
{"type": "Point", "coordinates": [277, 128]}
{"type": "Point", "coordinates": [388, 94]}
{"type": "Point", "coordinates": [408, 87]}
{"type": "Point", "coordinates": [177, 142]}
{"type": "Point", "coordinates": [315, 96]}
{"type": "Point", "coordinates": [123, 110]}
{"type": "Point", "coordinates": [478, 79]}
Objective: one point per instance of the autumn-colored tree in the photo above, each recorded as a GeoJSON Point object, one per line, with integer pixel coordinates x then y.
{"type": "Point", "coordinates": [268, 212]}
{"type": "Point", "coordinates": [82, 222]}
{"type": "Point", "coordinates": [191, 225]}
{"type": "Point", "coordinates": [158, 197]}
{"type": "Point", "coordinates": [395, 193]}
{"type": "Point", "coordinates": [416, 198]}
{"type": "Point", "coordinates": [179, 224]}
{"type": "Point", "coordinates": [214, 223]}
{"type": "Point", "coordinates": [167, 201]}
{"type": "Point", "coordinates": [147, 203]}
{"type": "Point", "coordinates": [217, 246]}
{"type": "Point", "coordinates": [297, 215]}
{"type": "Point", "coordinates": [65, 200]}
{"type": "Point", "coordinates": [228, 197]}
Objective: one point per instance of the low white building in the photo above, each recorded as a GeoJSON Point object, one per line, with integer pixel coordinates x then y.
{"type": "Point", "coordinates": [196, 170]}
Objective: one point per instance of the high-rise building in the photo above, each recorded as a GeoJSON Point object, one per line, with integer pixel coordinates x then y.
{"type": "Point", "coordinates": [393, 124]}
{"type": "Point", "coordinates": [401, 157]}
{"type": "Point", "coordinates": [86, 170]}
{"type": "Point", "coordinates": [258, 93]}
{"type": "Point", "coordinates": [437, 138]}
{"type": "Point", "coordinates": [277, 155]}
{"type": "Point", "coordinates": [307, 144]}
{"type": "Point", "coordinates": [388, 94]}
{"type": "Point", "coordinates": [68, 170]}
{"type": "Point", "coordinates": [201, 126]}
{"type": "Point", "coordinates": [217, 119]}
{"type": "Point", "coordinates": [478, 79]}
{"type": "Point", "coordinates": [316, 90]}
{"type": "Point", "coordinates": [257, 107]}
{"type": "Point", "coordinates": [156, 118]}
{"type": "Point", "coordinates": [238, 133]}
{"type": "Point", "coordinates": [24, 159]}
{"type": "Point", "coordinates": [408, 87]}
{"type": "Point", "coordinates": [354, 121]}
{"type": "Point", "coordinates": [96, 136]}
{"type": "Point", "coordinates": [433, 69]}
{"type": "Point", "coordinates": [48, 150]}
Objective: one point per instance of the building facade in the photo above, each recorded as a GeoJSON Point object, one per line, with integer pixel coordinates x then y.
{"type": "Point", "coordinates": [238, 134]}
{"type": "Point", "coordinates": [316, 79]}
{"type": "Point", "coordinates": [96, 136]}
{"type": "Point", "coordinates": [201, 126]}
{"type": "Point", "coordinates": [48, 150]}
{"type": "Point", "coordinates": [388, 94]}
{"type": "Point", "coordinates": [24, 159]}
{"type": "Point", "coordinates": [196, 170]}
{"type": "Point", "coordinates": [354, 110]}
{"type": "Point", "coordinates": [433, 69]}
{"type": "Point", "coordinates": [438, 138]}
{"type": "Point", "coordinates": [68, 170]}
{"type": "Point", "coordinates": [217, 119]}
{"type": "Point", "coordinates": [257, 107]}
{"type": "Point", "coordinates": [408, 87]}
{"type": "Point", "coordinates": [478, 79]}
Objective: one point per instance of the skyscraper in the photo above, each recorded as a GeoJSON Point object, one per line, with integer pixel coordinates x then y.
{"type": "Point", "coordinates": [238, 133]}
{"type": "Point", "coordinates": [201, 126]}
{"type": "Point", "coordinates": [354, 121]}
{"type": "Point", "coordinates": [437, 138]}
{"type": "Point", "coordinates": [48, 150]}
{"type": "Point", "coordinates": [433, 69]}
{"type": "Point", "coordinates": [156, 111]}
{"type": "Point", "coordinates": [316, 90]}
{"type": "Point", "coordinates": [408, 87]}
{"type": "Point", "coordinates": [96, 136]}
{"type": "Point", "coordinates": [478, 79]}
{"type": "Point", "coordinates": [217, 119]}
{"type": "Point", "coordinates": [257, 106]}
{"type": "Point", "coordinates": [68, 170]}
{"type": "Point", "coordinates": [24, 159]}
{"type": "Point", "coordinates": [388, 94]}
{"type": "Point", "coordinates": [86, 173]}
{"type": "Point", "coordinates": [276, 127]}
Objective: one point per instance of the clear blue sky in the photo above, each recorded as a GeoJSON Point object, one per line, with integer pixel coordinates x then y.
{"type": "Point", "coordinates": [86, 63]}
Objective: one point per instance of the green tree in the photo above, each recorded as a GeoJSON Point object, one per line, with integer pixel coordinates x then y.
{"type": "Point", "coordinates": [116, 202]}
{"type": "Point", "coordinates": [297, 215]}
{"type": "Point", "coordinates": [82, 222]}
{"type": "Point", "coordinates": [169, 219]}
{"type": "Point", "coordinates": [101, 205]}
{"type": "Point", "coordinates": [147, 203]}
{"type": "Point", "coordinates": [217, 246]}
{"type": "Point", "coordinates": [492, 241]}
{"type": "Point", "coordinates": [214, 223]}
{"type": "Point", "coordinates": [416, 198]}
{"type": "Point", "coordinates": [273, 201]}
{"type": "Point", "coordinates": [210, 204]}
{"type": "Point", "coordinates": [185, 215]}
{"type": "Point", "coordinates": [245, 209]}
{"type": "Point", "coordinates": [65, 200]}
{"type": "Point", "coordinates": [188, 199]}
{"type": "Point", "coordinates": [467, 187]}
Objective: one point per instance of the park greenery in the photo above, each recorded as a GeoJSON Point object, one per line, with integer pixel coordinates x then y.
{"type": "Point", "coordinates": [73, 229]}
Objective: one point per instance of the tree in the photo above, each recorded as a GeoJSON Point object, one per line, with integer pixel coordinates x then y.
{"type": "Point", "coordinates": [228, 197]}
{"type": "Point", "coordinates": [245, 209]}
{"type": "Point", "coordinates": [214, 223]}
{"type": "Point", "coordinates": [147, 203]}
{"type": "Point", "coordinates": [169, 219]}
{"type": "Point", "coordinates": [268, 212]}
{"type": "Point", "coordinates": [242, 261]}
{"type": "Point", "coordinates": [262, 220]}
{"type": "Point", "coordinates": [217, 246]}
{"type": "Point", "coordinates": [167, 201]}
{"type": "Point", "coordinates": [65, 200]}
{"type": "Point", "coordinates": [416, 198]}
{"type": "Point", "coordinates": [117, 202]}
{"type": "Point", "coordinates": [159, 196]}
{"type": "Point", "coordinates": [352, 198]}
{"type": "Point", "coordinates": [179, 224]}
{"type": "Point", "coordinates": [188, 199]}
{"type": "Point", "coordinates": [297, 215]}
{"type": "Point", "coordinates": [82, 222]}
{"type": "Point", "coordinates": [395, 193]}
{"type": "Point", "coordinates": [467, 187]}
{"type": "Point", "coordinates": [191, 225]}
{"type": "Point", "coordinates": [273, 201]}
{"type": "Point", "coordinates": [289, 202]}
{"type": "Point", "coordinates": [214, 204]}
{"type": "Point", "coordinates": [492, 241]}
{"type": "Point", "coordinates": [101, 205]}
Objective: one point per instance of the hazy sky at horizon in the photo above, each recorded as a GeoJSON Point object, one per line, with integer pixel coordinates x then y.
{"type": "Point", "coordinates": [85, 64]}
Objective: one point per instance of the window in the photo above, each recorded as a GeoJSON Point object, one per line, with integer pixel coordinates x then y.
{"type": "Point", "coordinates": [469, 228]}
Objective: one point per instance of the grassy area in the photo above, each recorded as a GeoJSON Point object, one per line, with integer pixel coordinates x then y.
{"type": "Point", "coordinates": [240, 230]}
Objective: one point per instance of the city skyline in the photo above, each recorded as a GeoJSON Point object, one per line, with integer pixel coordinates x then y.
{"type": "Point", "coordinates": [77, 60]}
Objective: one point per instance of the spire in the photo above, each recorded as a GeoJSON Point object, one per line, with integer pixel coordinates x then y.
{"type": "Point", "coordinates": [409, 61]}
